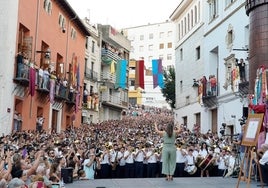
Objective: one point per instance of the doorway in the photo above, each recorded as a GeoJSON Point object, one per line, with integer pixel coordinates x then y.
{"type": "Point", "coordinates": [54, 121]}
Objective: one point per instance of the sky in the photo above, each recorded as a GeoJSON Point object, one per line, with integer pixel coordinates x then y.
{"type": "Point", "coordinates": [124, 13]}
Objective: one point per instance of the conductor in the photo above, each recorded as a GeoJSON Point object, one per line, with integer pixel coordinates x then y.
{"type": "Point", "coordinates": [169, 150]}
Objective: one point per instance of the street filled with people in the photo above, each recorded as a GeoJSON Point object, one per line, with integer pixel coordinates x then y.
{"type": "Point", "coordinates": [126, 148]}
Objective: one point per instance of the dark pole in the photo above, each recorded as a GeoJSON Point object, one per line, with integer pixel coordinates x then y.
{"type": "Point", "coordinates": [257, 10]}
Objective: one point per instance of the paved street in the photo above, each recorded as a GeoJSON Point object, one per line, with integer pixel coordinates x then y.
{"type": "Point", "coordinates": [211, 182]}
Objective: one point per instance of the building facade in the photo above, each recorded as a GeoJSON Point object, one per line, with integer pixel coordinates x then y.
{"type": "Point", "coordinates": [115, 48]}
{"type": "Point", "coordinates": [212, 37]}
{"type": "Point", "coordinates": [91, 102]}
{"type": "Point", "coordinates": [45, 64]}
{"type": "Point", "coordinates": [148, 42]}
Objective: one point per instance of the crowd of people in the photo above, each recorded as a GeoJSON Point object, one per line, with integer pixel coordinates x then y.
{"type": "Point", "coordinates": [127, 148]}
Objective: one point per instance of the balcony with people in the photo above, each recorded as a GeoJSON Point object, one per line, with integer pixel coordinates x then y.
{"type": "Point", "coordinates": [109, 54]}
{"type": "Point", "coordinates": [243, 75]}
{"type": "Point", "coordinates": [90, 101]}
{"type": "Point", "coordinates": [209, 90]}
{"type": "Point", "coordinates": [22, 69]}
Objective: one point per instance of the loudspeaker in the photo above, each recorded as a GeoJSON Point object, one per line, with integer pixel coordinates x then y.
{"type": "Point", "coordinates": [245, 112]}
{"type": "Point", "coordinates": [67, 175]}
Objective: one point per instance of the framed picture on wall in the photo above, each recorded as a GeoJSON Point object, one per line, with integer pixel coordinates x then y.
{"type": "Point", "coordinates": [252, 129]}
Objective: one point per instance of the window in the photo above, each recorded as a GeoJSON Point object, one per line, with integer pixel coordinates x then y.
{"type": "Point", "coordinates": [141, 37]}
{"type": "Point", "coordinates": [169, 45]}
{"type": "Point", "coordinates": [161, 35]}
{"type": "Point", "coordinates": [132, 82]}
{"type": "Point", "coordinates": [150, 58]}
{"type": "Point", "coordinates": [181, 54]}
{"type": "Point", "coordinates": [213, 9]}
{"type": "Point", "coordinates": [197, 52]}
{"type": "Point", "coordinates": [87, 41]}
{"type": "Point", "coordinates": [150, 47]}
{"type": "Point", "coordinates": [93, 47]}
{"type": "Point", "coordinates": [48, 6]}
{"type": "Point", "coordinates": [169, 56]}
{"type": "Point", "coordinates": [179, 31]}
{"type": "Point", "coordinates": [73, 33]}
{"type": "Point", "coordinates": [161, 46]}
{"type": "Point", "coordinates": [230, 37]}
{"type": "Point", "coordinates": [169, 34]}
{"type": "Point", "coordinates": [229, 2]}
{"type": "Point", "coordinates": [187, 99]}
{"type": "Point", "coordinates": [192, 18]}
{"type": "Point", "coordinates": [141, 48]}
{"type": "Point", "coordinates": [151, 36]}
{"type": "Point", "coordinates": [189, 24]}
{"type": "Point", "coordinates": [61, 21]}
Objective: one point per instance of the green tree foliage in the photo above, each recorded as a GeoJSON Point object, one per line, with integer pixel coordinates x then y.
{"type": "Point", "coordinates": [169, 90]}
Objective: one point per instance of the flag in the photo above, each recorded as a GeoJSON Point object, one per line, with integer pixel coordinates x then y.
{"type": "Point", "coordinates": [139, 74]}
{"type": "Point", "coordinates": [74, 70]}
{"type": "Point", "coordinates": [78, 77]}
{"type": "Point", "coordinates": [157, 73]}
{"type": "Point", "coordinates": [32, 81]}
{"type": "Point", "coordinates": [121, 71]}
{"type": "Point", "coordinates": [112, 67]}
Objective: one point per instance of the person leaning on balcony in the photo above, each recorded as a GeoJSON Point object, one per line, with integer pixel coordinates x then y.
{"type": "Point", "coordinates": [40, 76]}
{"type": "Point", "coordinates": [19, 64]}
{"type": "Point", "coordinates": [46, 78]}
{"type": "Point", "coordinates": [241, 64]}
{"type": "Point", "coordinates": [213, 84]}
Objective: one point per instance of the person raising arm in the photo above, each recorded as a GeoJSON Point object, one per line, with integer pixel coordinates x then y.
{"type": "Point", "coordinates": [169, 150]}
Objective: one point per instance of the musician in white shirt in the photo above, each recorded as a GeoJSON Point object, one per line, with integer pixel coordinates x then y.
{"type": "Point", "coordinates": [139, 158]}
{"type": "Point", "coordinates": [180, 161]}
{"type": "Point", "coordinates": [264, 163]}
{"type": "Point", "coordinates": [129, 167]}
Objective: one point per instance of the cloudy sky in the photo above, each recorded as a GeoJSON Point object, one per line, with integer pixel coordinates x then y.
{"type": "Point", "coordinates": [124, 13]}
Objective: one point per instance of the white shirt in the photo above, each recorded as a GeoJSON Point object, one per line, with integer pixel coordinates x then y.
{"type": "Point", "coordinates": [140, 156]}
{"type": "Point", "coordinates": [180, 156]}
{"type": "Point", "coordinates": [190, 160]}
{"type": "Point", "coordinates": [264, 158]}
{"type": "Point", "coordinates": [130, 157]}
{"type": "Point", "coordinates": [152, 157]}
{"type": "Point", "coordinates": [203, 153]}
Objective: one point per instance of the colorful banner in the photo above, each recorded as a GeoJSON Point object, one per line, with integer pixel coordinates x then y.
{"type": "Point", "coordinates": [157, 73]}
{"type": "Point", "coordinates": [32, 81]}
{"type": "Point", "coordinates": [121, 71]}
{"type": "Point", "coordinates": [139, 74]}
{"type": "Point", "coordinates": [112, 67]}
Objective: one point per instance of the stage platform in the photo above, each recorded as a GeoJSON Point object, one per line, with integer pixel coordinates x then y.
{"type": "Point", "coordinates": [194, 182]}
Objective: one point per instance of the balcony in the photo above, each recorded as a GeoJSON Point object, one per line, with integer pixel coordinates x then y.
{"type": "Point", "coordinates": [108, 77]}
{"type": "Point", "coordinates": [22, 75]}
{"type": "Point", "coordinates": [91, 102]}
{"type": "Point", "coordinates": [107, 56]}
{"type": "Point", "coordinates": [91, 75]}
{"type": "Point", "coordinates": [210, 94]}
{"type": "Point", "coordinates": [113, 101]}
{"type": "Point", "coordinates": [243, 88]}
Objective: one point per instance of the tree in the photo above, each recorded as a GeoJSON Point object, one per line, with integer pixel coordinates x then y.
{"type": "Point", "coordinates": [169, 90]}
